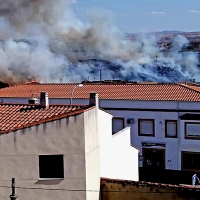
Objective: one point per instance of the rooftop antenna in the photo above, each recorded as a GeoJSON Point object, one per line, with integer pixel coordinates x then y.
{"type": "Point", "coordinates": [100, 75]}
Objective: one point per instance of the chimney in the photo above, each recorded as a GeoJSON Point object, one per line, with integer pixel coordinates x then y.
{"type": "Point", "coordinates": [94, 100]}
{"type": "Point", "coordinates": [44, 99]}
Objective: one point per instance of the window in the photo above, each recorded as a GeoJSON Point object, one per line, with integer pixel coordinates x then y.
{"type": "Point", "coordinates": [192, 130]}
{"type": "Point", "coordinates": [153, 158]}
{"type": "Point", "coordinates": [51, 166]}
{"type": "Point", "coordinates": [117, 124]}
{"type": "Point", "coordinates": [146, 127]}
{"type": "Point", "coordinates": [190, 161]}
{"type": "Point", "coordinates": [171, 128]}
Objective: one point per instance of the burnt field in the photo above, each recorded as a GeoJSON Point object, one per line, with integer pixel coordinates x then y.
{"type": "Point", "coordinates": [160, 68]}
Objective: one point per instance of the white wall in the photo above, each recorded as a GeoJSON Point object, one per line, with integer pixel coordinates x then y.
{"type": "Point", "coordinates": [172, 144]}
{"type": "Point", "coordinates": [119, 160]}
{"type": "Point", "coordinates": [173, 147]}
{"type": "Point", "coordinates": [19, 159]}
{"type": "Point", "coordinates": [108, 103]}
{"type": "Point", "coordinates": [160, 117]}
{"type": "Point", "coordinates": [92, 155]}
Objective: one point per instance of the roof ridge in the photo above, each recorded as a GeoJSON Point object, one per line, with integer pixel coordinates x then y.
{"type": "Point", "coordinates": [50, 84]}
{"type": "Point", "coordinates": [52, 105]}
{"type": "Point", "coordinates": [185, 86]}
{"type": "Point", "coordinates": [103, 83]}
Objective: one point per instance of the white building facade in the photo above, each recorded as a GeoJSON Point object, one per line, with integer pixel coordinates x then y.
{"type": "Point", "coordinates": [62, 158]}
{"type": "Point", "coordinates": [165, 140]}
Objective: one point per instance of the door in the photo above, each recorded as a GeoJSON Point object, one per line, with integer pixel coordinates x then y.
{"type": "Point", "coordinates": [154, 158]}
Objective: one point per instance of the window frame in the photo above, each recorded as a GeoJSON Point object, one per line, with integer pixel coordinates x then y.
{"type": "Point", "coordinates": [153, 127]}
{"type": "Point", "coordinates": [118, 118]}
{"type": "Point", "coordinates": [166, 122]}
{"type": "Point", "coordinates": [185, 131]}
{"type": "Point", "coordinates": [51, 178]}
{"type": "Point", "coordinates": [188, 152]}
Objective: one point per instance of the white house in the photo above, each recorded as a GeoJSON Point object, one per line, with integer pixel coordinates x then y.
{"type": "Point", "coordinates": [58, 151]}
{"type": "Point", "coordinates": [166, 137]}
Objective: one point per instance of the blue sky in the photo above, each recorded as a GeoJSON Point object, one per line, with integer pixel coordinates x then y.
{"type": "Point", "coordinates": [147, 15]}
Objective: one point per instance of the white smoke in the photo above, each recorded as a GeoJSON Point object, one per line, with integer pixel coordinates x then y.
{"type": "Point", "coordinates": [44, 40]}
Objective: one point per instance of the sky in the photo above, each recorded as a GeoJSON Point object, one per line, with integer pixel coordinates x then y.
{"type": "Point", "coordinates": [145, 15]}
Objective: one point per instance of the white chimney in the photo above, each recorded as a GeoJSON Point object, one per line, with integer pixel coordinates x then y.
{"type": "Point", "coordinates": [44, 99]}
{"type": "Point", "coordinates": [94, 100]}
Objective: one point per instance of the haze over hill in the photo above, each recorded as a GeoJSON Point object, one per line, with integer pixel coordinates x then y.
{"type": "Point", "coordinates": [45, 41]}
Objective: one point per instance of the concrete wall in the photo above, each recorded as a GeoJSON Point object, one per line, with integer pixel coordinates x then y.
{"type": "Point", "coordinates": [140, 191]}
{"type": "Point", "coordinates": [119, 160]}
{"type": "Point", "coordinates": [19, 159]}
{"type": "Point", "coordinates": [92, 159]}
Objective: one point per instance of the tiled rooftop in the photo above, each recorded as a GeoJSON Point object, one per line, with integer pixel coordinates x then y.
{"type": "Point", "coordinates": [193, 87]}
{"type": "Point", "coordinates": [163, 92]}
{"type": "Point", "coordinates": [17, 116]}
{"type": "Point", "coordinates": [160, 92]}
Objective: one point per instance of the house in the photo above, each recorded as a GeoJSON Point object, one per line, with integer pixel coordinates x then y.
{"type": "Point", "coordinates": [56, 151]}
{"type": "Point", "coordinates": [157, 113]}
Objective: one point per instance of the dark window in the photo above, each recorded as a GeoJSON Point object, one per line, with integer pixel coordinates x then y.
{"type": "Point", "coordinates": [171, 128]}
{"type": "Point", "coordinates": [190, 161]}
{"type": "Point", "coordinates": [146, 127]}
{"type": "Point", "coordinates": [51, 166]}
{"type": "Point", "coordinates": [192, 130]}
{"type": "Point", "coordinates": [154, 158]}
{"type": "Point", "coordinates": [117, 124]}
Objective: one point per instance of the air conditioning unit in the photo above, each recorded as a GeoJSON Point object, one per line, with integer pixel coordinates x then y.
{"type": "Point", "coordinates": [130, 121]}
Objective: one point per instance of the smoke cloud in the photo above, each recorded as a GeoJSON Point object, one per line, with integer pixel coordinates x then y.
{"type": "Point", "coordinates": [44, 40]}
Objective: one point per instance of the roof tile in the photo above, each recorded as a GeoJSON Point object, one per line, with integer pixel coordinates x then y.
{"type": "Point", "coordinates": [19, 116]}
{"type": "Point", "coordinates": [153, 92]}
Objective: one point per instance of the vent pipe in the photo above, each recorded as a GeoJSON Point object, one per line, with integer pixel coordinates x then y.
{"type": "Point", "coordinates": [44, 99]}
{"type": "Point", "coordinates": [94, 100]}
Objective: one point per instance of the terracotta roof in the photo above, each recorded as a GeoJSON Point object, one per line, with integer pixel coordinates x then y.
{"type": "Point", "coordinates": [193, 87]}
{"type": "Point", "coordinates": [157, 92]}
{"type": "Point", "coordinates": [17, 116]}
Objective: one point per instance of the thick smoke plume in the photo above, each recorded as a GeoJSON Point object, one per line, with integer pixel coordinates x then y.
{"type": "Point", "coordinates": [45, 41]}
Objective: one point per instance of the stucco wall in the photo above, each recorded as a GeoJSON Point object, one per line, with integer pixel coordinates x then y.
{"type": "Point", "coordinates": [19, 159]}
{"type": "Point", "coordinates": [92, 160]}
{"type": "Point", "coordinates": [172, 160]}
{"type": "Point", "coordinates": [172, 144]}
{"type": "Point", "coordinates": [119, 160]}
{"type": "Point", "coordinates": [141, 191]}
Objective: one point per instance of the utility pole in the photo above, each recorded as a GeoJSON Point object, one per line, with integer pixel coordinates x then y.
{"type": "Point", "coordinates": [13, 196]}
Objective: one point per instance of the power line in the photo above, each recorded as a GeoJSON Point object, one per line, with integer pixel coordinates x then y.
{"type": "Point", "coordinates": [76, 190]}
